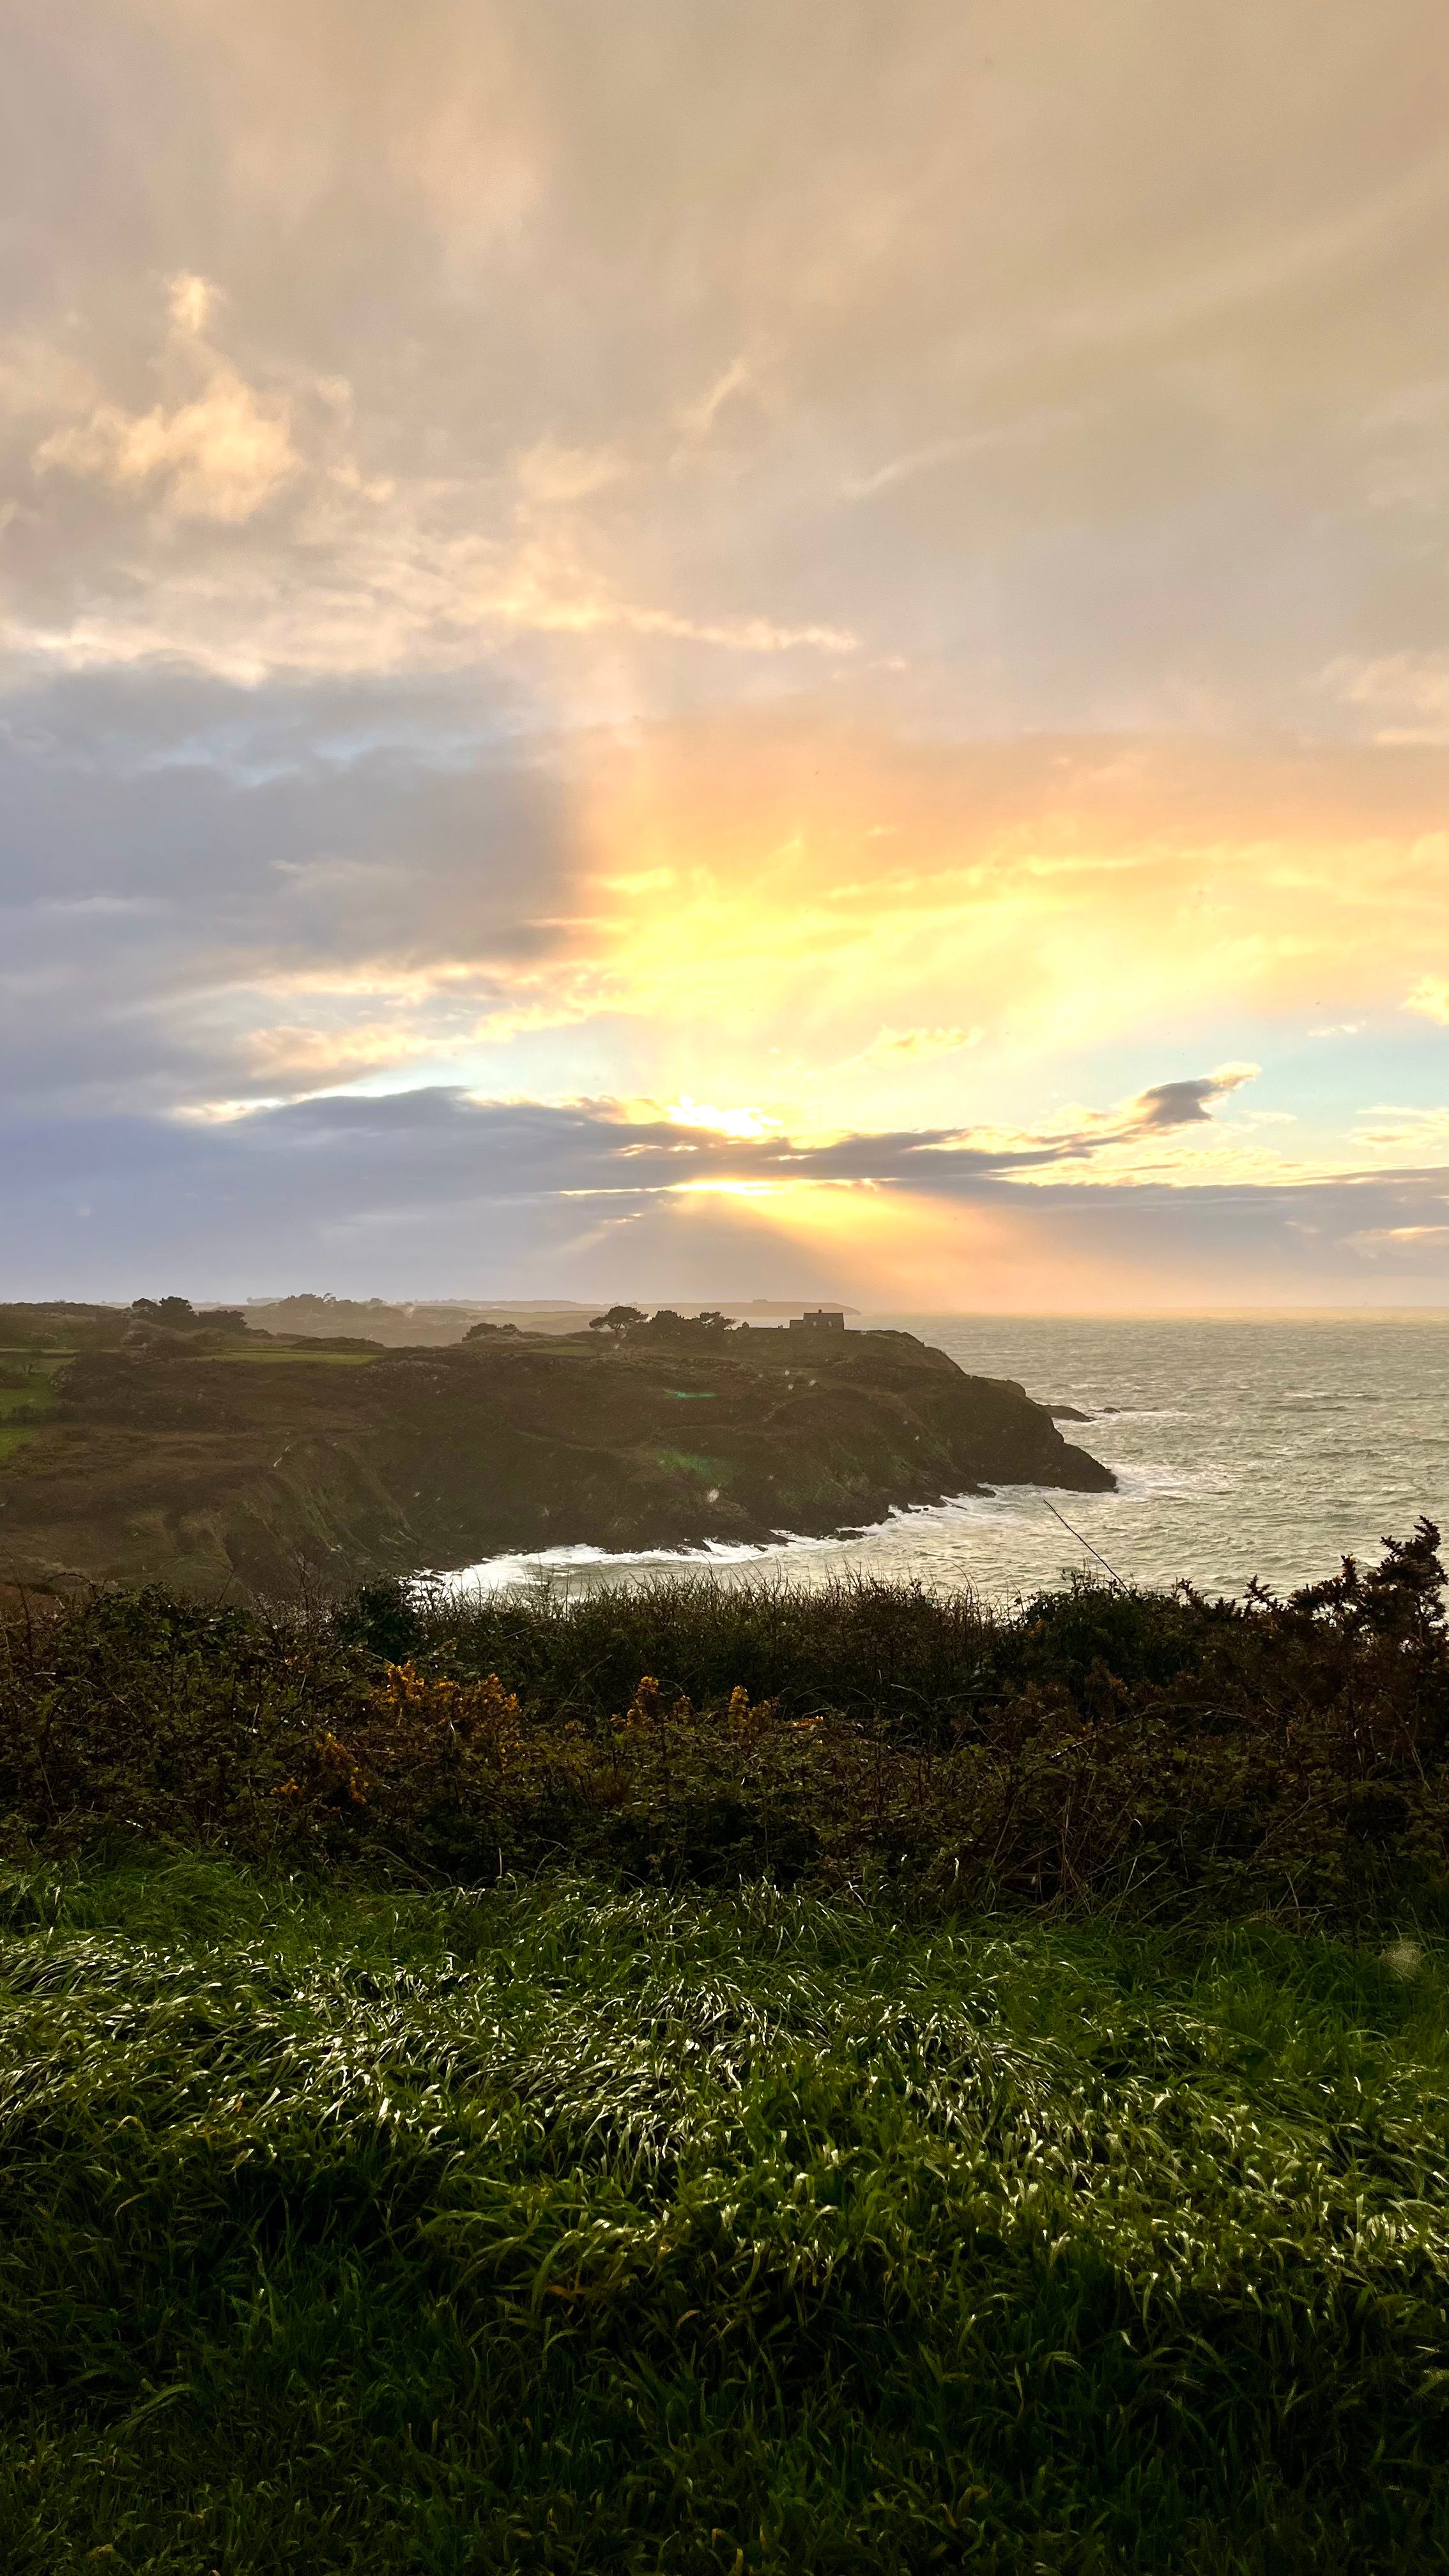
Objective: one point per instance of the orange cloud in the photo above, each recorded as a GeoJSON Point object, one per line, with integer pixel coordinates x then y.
{"type": "Point", "coordinates": [804, 883]}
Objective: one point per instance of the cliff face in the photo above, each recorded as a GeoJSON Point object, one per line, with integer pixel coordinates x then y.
{"type": "Point", "coordinates": [278, 1465]}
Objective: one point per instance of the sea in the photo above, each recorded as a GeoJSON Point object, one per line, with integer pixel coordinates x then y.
{"type": "Point", "coordinates": [1243, 1447]}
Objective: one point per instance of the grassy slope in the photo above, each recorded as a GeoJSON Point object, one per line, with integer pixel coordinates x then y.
{"type": "Point", "coordinates": [587, 2230]}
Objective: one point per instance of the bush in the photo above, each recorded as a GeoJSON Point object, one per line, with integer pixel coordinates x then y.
{"type": "Point", "coordinates": [1100, 1746]}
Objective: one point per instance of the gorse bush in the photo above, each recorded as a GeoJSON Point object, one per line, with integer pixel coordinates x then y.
{"type": "Point", "coordinates": [1098, 1745]}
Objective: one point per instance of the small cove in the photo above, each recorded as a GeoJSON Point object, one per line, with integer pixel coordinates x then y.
{"type": "Point", "coordinates": [1259, 1446]}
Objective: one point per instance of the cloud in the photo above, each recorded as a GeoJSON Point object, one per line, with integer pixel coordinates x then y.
{"type": "Point", "coordinates": [1409, 1239]}
{"type": "Point", "coordinates": [417, 874]}
{"type": "Point", "coordinates": [833, 871]}
{"type": "Point", "coordinates": [362, 570]}
{"type": "Point", "coordinates": [1404, 1130]}
{"type": "Point", "coordinates": [521, 580]}
{"type": "Point", "coordinates": [582, 1148]}
{"type": "Point", "coordinates": [600, 283]}
{"type": "Point", "coordinates": [190, 300]}
{"type": "Point", "coordinates": [1430, 996]}
{"type": "Point", "coordinates": [183, 875]}
{"type": "Point", "coordinates": [1407, 693]}
{"type": "Point", "coordinates": [1185, 1104]}
{"type": "Point", "coordinates": [688, 1112]}
{"type": "Point", "coordinates": [220, 453]}
{"type": "Point", "coordinates": [221, 456]}
{"type": "Point", "coordinates": [431, 1192]}
{"type": "Point", "coordinates": [917, 1046]}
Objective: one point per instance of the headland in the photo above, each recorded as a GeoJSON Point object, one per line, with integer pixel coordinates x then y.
{"type": "Point", "coordinates": [201, 1454]}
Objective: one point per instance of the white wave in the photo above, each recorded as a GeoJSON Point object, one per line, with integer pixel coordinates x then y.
{"type": "Point", "coordinates": [504, 1573]}
{"type": "Point", "coordinates": [899, 1533]}
{"type": "Point", "coordinates": [1140, 1413]}
{"type": "Point", "coordinates": [1141, 1480]}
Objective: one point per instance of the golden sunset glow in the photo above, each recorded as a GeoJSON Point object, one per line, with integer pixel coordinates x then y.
{"type": "Point", "coordinates": [803, 656]}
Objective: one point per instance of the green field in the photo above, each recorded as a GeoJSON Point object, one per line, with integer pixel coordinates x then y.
{"type": "Point", "coordinates": [36, 1388]}
{"type": "Point", "coordinates": [23, 1406]}
{"type": "Point", "coordinates": [586, 2229]}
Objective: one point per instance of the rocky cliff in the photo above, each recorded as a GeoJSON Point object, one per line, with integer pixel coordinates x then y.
{"type": "Point", "coordinates": [202, 1459]}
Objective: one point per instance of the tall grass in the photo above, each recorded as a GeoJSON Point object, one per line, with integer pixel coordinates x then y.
{"type": "Point", "coordinates": [590, 2230]}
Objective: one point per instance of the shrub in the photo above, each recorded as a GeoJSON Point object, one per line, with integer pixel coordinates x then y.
{"type": "Point", "coordinates": [1138, 1749]}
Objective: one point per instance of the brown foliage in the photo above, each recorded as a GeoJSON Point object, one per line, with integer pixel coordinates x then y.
{"type": "Point", "coordinates": [1129, 1749]}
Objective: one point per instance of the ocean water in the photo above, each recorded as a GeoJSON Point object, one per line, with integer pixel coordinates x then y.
{"type": "Point", "coordinates": [1260, 1447]}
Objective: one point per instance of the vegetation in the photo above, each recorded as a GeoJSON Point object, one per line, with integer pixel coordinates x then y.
{"type": "Point", "coordinates": [706, 1330]}
{"type": "Point", "coordinates": [178, 1315]}
{"type": "Point", "coordinates": [28, 1371]}
{"type": "Point", "coordinates": [565, 2230]}
{"type": "Point", "coordinates": [1160, 1754]}
{"type": "Point", "coordinates": [465, 2106]}
{"type": "Point", "coordinates": [414, 1326]}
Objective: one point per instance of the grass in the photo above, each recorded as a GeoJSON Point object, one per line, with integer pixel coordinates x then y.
{"type": "Point", "coordinates": [687, 1462]}
{"type": "Point", "coordinates": [37, 1396]}
{"type": "Point", "coordinates": [742, 2083]}
{"type": "Point", "coordinates": [24, 1407]}
{"type": "Point", "coordinates": [248, 1358]}
{"type": "Point", "coordinates": [579, 2229]}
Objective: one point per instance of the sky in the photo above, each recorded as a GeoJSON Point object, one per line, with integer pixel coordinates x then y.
{"type": "Point", "coordinates": [764, 648]}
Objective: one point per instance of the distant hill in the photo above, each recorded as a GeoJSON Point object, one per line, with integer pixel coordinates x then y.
{"type": "Point", "coordinates": [430, 1326]}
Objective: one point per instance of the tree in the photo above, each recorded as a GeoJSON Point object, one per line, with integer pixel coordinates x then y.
{"type": "Point", "coordinates": [621, 1321]}
{"type": "Point", "coordinates": [165, 1310]}
{"type": "Point", "coordinates": [710, 1326]}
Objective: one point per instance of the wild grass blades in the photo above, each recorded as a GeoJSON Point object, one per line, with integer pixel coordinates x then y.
{"type": "Point", "coordinates": [590, 2229]}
